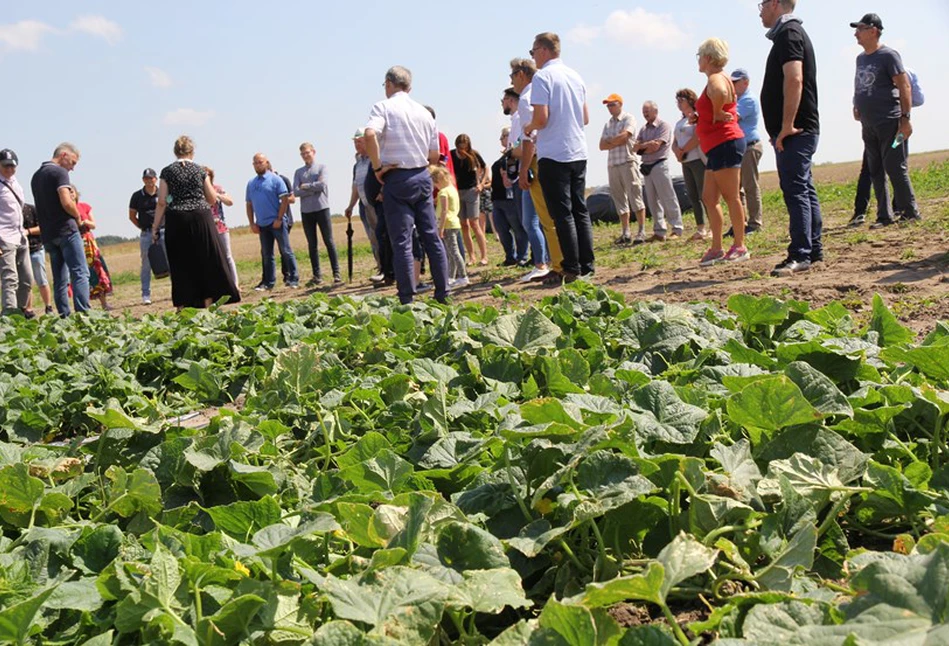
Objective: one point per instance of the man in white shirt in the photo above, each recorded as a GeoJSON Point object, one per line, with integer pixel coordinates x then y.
{"type": "Point", "coordinates": [16, 271]}
{"type": "Point", "coordinates": [402, 140]}
{"type": "Point", "coordinates": [558, 96]}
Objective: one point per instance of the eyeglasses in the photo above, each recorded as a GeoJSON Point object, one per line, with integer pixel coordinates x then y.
{"type": "Point", "coordinates": [761, 5]}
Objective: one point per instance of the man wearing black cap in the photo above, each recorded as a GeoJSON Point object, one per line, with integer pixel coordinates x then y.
{"type": "Point", "coordinates": [16, 272]}
{"type": "Point", "coordinates": [142, 207]}
{"type": "Point", "coordinates": [882, 101]}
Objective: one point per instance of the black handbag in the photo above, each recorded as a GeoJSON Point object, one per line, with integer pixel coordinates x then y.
{"type": "Point", "coordinates": [647, 168]}
{"type": "Point", "coordinates": [158, 259]}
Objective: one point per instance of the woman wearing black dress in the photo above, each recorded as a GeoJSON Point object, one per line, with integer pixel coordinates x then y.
{"type": "Point", "coordinates": [198, 264]}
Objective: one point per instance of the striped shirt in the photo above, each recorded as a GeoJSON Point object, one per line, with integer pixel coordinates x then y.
{"type": "Point", "coordinates": [360, 170]}
{"type": "Point", "coordinates": [621, 155]}
{"type": "Point", "coordinates": [406, 131]}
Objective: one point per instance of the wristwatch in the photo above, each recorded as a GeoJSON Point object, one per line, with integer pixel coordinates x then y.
{"type": "Point", "coordinates": [905, 115]}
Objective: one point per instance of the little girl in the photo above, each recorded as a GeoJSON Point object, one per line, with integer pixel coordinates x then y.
{"type": "Point", "coordinates": [447, 207]}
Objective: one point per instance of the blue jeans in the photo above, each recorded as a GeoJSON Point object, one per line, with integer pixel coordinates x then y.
{"type": "Point", "coordinates": [507, 223]}
{"type": "Point", "coordinates": [288, 262]}
{"type": "Point", "coordinates": [68, 263]}
{"type": "Point", "coordinates": [144, 244]}
{"type": "Point", "coordinates": [535, 235]}
{"type": "Point", "coordinates": [408, 205]}
{"type": "Point", "coordinates": [800, 196]}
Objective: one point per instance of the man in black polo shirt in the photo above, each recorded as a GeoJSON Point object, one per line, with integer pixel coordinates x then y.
{"type": "Point", "coordinates": [59, 227]}
{"type": "Point", "coordinates": [142, 214]}
{"type": "Point", "coordinates": [789, 108]}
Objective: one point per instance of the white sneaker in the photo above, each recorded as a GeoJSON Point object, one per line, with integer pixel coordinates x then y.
{"type": "Point", "coordinates": [378, 278]}
{"type": "Point", "coordinates": [460, 282]}
{"type": "Point", "coordinates": [146, 300]}
{"type": "Point", "coordinates": [535, 274]}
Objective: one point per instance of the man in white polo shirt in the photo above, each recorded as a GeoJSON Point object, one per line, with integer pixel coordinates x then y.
{"type": "Point", "coordinates": [560, 114]}
{"type": "Point", "coordinates": [402, 140]}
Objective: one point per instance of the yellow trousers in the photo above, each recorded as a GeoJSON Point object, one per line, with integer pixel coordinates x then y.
{"type": "Point", "coordinates": [546, 222]}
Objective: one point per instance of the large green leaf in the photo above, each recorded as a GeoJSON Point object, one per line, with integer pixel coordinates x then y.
{"type": "Point", "coordinates": [384, 472]}
{"type": "Point", "coordinates": [16, 621]}
{"type": "Point", "coordinates": [489, 591]}
{"type": "Point", "coordinates": [771, 404]}
{"type": "Point", "coordinates": [402, 603]}
{"type": "Point", "coordinates": [132, 493]}
{"type": "Point", "coordinates": [753, 311]}
{"type": "Point", "coordinates": [667, 417]}
{"type": "Point", "coordinates": [819, 390]}
{"type": "Point", "coordinates": [528, 331]}
{"type": "Point", "coordinates": [19, 491]}
{"type": "Point", "coordinates": [462, 546]}
{"type": "Point", "coordinates": [241, 519]}
{"type": "Point", "coordinates": [230, 624]}
{"type": "Point", "coordinates": [886, 326]}
{"type": "Point", "coordinates": [569, 625]}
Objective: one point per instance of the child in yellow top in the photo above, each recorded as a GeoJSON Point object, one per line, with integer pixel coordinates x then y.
{"type": "Point", "coordinates": [447, 207]}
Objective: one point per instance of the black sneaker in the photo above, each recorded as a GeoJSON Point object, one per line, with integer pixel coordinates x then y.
{"type": "Point", "coordinates": [907, 219]}
{"type": "Point", "coordinates": [752, 228]}
{"type": "Point", "coordinates": [316, 281]}
{"type": "Point", "coordinates": [293, 284]}
{"type": "Point", "coordinates": [624, 239]}
{"type": "Point", "coordinates": [263, 287]}
{"type": "Point", "coordinates": [730, 233]}
{"type": "Point", "coordinates": [48, 310]}
{"type": "Point", "coordinates": [337, 280]}
{"type": "Point", "coordinates": [508, 262]}
{"type": "Point", "coordinates": [789, 266]}
{"type": "Point", "coordinates": [817, 257]}
{"type": "Point", "coordinates": [857, 220]}
{"type": "Point", "coordinates": [879, 224]}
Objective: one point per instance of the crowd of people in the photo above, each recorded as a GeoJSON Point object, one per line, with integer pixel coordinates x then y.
{"type": "Point", "coordinates": [418, 199]}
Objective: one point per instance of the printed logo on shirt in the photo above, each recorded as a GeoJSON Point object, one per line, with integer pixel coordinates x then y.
{"type": "Point", "coordinates": [866, 79]}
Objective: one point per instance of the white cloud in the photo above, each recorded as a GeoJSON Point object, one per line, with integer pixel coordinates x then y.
{"type": "Point", "coordinates": [23, 35]}
{"type": "Point", "coordinates": [158, 77]}
{"type": "Point", "coordinates": [98, 26]}
{"type": "Point", "coordinates": [188, 117]}
{"type": "Point", "coordinates": [639, 29]}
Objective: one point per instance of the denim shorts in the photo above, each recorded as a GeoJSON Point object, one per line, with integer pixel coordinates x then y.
{"type": "Point", "coordinates": [726, 155]}
{"type": "Point", "coordinates": [38, 260]}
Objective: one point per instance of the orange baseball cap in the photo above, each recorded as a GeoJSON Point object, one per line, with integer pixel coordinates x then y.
{"type": "Point", "coordinates": [611, 98]}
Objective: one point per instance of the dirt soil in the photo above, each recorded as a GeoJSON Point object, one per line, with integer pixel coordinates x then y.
{"type": "Point", "coordinates": [908, 266]}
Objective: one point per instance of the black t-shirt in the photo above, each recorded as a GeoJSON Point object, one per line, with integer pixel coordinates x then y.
{"type": "Point", "coordinates": [498, 190]}
{"type": "Point", "coordinates": [465, 176]}
{"type": "Point", "coordinates": [791, 44]}
{"type": "Point", "coordinates": [145, 205]}
{"type": "Point", "coordinates": [53, 219]}
{"type": "Point", "coordinates": [286, 181]}
{"type": "Point", "coordinates": [30, 221]}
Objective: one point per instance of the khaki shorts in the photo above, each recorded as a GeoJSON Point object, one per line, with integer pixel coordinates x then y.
{"type": "Point", "coordinates": [626, 187]}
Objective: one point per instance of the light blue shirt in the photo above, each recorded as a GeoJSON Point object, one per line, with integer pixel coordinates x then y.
{"type": "Point", "coordinates": [264, 193]}
{"type": "Point", "coordinates": [562, 90]}
{"type": "Point", "coordinates": [749, 113]}
{"type": "Point", "coordinates": [315, 197]}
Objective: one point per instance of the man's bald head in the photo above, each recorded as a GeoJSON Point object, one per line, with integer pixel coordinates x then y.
{"type": "Point", "coordinates": [261, 163]}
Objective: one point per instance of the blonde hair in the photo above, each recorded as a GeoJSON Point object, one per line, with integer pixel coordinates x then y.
{"type": "Point", "coordinates": [306, 145]}
{"type": "Point", "coordinates": [716, 50]}
{"type": "Point", "coordinates": [184, 146]}
{"type": "Point", "coordinates": [440, 174]}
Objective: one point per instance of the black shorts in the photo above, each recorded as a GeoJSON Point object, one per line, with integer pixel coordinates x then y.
{"type": "Point", "coordinates": [726, 155]}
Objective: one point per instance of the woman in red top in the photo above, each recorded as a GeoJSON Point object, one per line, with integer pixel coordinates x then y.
{"type": "Point", "coordinates": [723, 143]}
{"type": "Point", "coordinates": [100, 282]}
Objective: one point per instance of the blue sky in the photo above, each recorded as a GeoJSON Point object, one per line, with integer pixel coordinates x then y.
{"type": "Point", "coordinates": [122, 80]}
